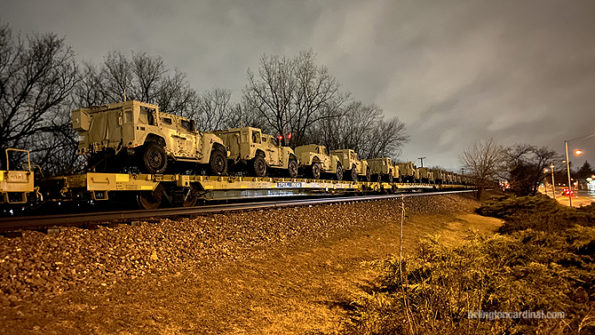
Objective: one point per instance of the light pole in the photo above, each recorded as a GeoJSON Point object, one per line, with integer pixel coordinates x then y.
{"type": "Point", "coordinates": [553, 182]}
{"type": "Point", "coordinates": [568, 172]}
{"type": "Point", "coordinates": [578, 152]}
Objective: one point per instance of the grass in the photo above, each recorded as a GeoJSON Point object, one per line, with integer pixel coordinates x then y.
{"type": "Point", "coordinates": [541, 260]}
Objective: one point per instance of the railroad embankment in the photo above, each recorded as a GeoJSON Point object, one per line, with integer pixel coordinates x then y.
{"type": "Point", "coordinates": [535, 276]}
{"type": "Point", "coordinates": [285, 271]}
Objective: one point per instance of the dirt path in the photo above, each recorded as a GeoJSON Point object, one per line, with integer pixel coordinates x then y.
{"type": "Point", "coordinates": [300, 289]}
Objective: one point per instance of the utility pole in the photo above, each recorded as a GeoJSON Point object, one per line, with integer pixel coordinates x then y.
{"type": "Point", "coordinates": [568, 171]}
{"type": "Point", "coordinates": [553, 182]}
{"type": "Point", "coordinates": [421, 160]}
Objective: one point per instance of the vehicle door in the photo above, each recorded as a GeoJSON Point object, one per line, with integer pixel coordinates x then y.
{"type": "Point", "coordinates": [273, 149]}
{"type": "Point", "coordinates": [325, 158]}
{"type": "Point", "coordinates": [186, 139]}
{"type": "Point", "coordinates": [256, 143]}
{"type": "Point", "coordinates": [169, 131]}
{"type": "Point", "coordinates": [353, 160]}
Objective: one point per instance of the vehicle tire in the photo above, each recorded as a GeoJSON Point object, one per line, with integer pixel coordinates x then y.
{"type": "Point", "coordinates": [292, 168]}
{"type": "Point", "coordinates": [339, 172]}
{"type": "Point", "coordinates": [315, 170]}
{"type": "Point", "coordinates": [259, 166]}
{"type": "Point", "coordinates": [218, 162]}
{"type": "Point", "coordinates": [154, 158]}
{"type": "Point", "coordinates": [353, 173]}
{"type": "Point", "coordinates": [368, 175]}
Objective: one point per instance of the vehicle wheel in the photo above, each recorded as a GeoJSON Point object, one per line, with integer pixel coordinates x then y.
{"type": "Point", "coordinates": [368, 175]}
{"type": "Point", "coordinates": [259, 166]}
{"type": "Point", "coordinates": [150, 199]}
{"type": "Point", "coordinates": [315, 170]}
{"type": "Point", "coordinates": [339, 172]}
{"type": "Point", "coordinates": [292, 168]}
{"type": "Point", "coordinates": [154, 158]}
{"type": "Point", "coordinates": [353, 174]}
{"type": "Point", "coordinates": [218, 162]}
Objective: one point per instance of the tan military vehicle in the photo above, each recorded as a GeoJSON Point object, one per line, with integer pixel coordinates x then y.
{"type": "Point", "coordinates": [135, 132]}
{"type": "Point", "coordinates": [439, 176]}
{"type": "Point", "coordinates": [352, 165]}
{"type": "Point", "coordinates": [315, 161]}
{"type": "Point", "coordinates": [425, 175]}
{"type": "Point", "coordinates": [249, 146]}
{"type": "Point", "coordinates": [408, 172]}
{"type": "Point", "coordinates": [450, 177]}
{"type": "Point", "coordinates": [383, 169]}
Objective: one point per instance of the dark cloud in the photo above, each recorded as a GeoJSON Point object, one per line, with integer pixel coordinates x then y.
{"type": "Point", "coordinates": [454, 71]}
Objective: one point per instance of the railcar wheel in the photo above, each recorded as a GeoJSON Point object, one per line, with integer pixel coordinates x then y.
{"type": "Point", "coordinates": [191, 197]}
{"type": "Point", "coordinates": [259, 166]}
{"type": "Point", "coordinates": [315, 170]}
{"type": "Point", "coordinates": [154, 158]}
{"type": "Point", "coordinates": [339, 172]}
{"type": "Point", "coordinates": [353, 173]}
{"type": "Point", "coordinates": [150, 199]}
{"type": "Point", "coordinates": [218, 162]}
{"type": "Point", "coordinates": [292, 168]}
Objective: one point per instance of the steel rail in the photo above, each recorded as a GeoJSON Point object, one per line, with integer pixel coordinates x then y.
{"type": "Point", "coordinates": [81, 219]}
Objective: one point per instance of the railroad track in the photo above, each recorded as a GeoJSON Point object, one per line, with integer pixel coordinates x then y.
{"type": "Point", "coordinates": [81, 219]}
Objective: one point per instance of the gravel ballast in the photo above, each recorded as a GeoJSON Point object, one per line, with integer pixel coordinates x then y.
{"type": "Point", "coordinates": [37, 265]}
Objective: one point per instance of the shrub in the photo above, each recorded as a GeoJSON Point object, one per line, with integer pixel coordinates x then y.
{"type": "Point", "coordinates": [536, 212]}
{"type": "Point", "coordinates": [524, 269]}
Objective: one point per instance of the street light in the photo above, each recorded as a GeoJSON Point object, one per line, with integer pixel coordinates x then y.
{"type": "Point", "coordinates": [578, 152]}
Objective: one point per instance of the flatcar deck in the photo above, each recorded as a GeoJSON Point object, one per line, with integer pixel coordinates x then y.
{"type": "Point", "coordinates": [99, 186]}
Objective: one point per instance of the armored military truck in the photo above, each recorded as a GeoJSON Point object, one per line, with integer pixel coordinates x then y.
{"type": "Point", "coordinates": [408, 172]}
{"type": "Point", "coordinates": [260, 152]}
{"type": "Point", "coordinates": [439, 176]}
{"type": "Point", "coordinates": [315, 161]}
{"type": "Point", "coordinates": [425, 175]}
{"type": "Point", "coordinates": [450, 177]}
{"type": "Point", "coordinates": [352, 165]}
{"type": "Point", "coordinates": [136, 133]}
{"type": "Point", "coordinates": [383, 169]}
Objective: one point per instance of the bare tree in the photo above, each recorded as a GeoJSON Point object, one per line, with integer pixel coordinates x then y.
{"type": "Point", "coordinates": [37, 76]}
{"type": "Point", "coordinates": [292, 94]}
{"type": "Point", "coordinates": [483, 161]}
{"type": "Point", "coordinates": [243, 115]}
{"type": "Point", "coordinates": [140, 77]}
{"type": "Point", "coordinates": [213, 109]}
{"type": "Point", "coordinates": [362, 128]}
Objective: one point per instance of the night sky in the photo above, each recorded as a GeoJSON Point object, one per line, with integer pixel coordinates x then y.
{"type": "Point", "coordinates": [453, 71]}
